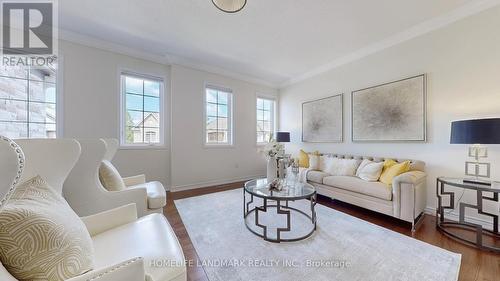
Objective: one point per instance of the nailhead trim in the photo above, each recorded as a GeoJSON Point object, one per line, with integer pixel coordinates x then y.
{"type": "Point", "coordinates": [127, 263]}
{"type": "Point", "coordinates": [20, 167]}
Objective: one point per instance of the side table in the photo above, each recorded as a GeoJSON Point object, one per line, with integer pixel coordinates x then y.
{"type": "Point", "coordinates": [450, 227]}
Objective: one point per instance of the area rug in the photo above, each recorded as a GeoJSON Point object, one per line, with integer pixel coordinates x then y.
{"type": "Point", "coordinates": [342, 248]}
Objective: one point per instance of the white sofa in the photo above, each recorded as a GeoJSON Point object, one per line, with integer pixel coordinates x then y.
{"type": "Point", "coordinates": [405, 199]}
{"type": "Point", "coordinates": [86, 195]}
{"type": "Point", "coordinates": [126, 248]}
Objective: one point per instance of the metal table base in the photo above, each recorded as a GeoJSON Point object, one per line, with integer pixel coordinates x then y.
{"type": "Point", "coordinates": [281, 209]}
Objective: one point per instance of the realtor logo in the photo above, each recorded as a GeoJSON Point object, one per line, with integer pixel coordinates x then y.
{"type": "Point", "coordinates": [28, 28]}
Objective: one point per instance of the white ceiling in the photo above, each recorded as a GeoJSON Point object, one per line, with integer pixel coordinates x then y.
{"type": "Point", "coordinates": [272, 40]}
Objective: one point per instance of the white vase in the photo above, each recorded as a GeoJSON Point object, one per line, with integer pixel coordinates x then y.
{"type": "Point", "coordinates": [272, 169]}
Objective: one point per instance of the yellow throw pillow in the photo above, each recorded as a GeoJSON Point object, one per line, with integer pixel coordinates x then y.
{"type": "Point", "coordinates": [388, 163]}
{"type": "Point", "coordinates": [110, 178]}
{"type": "Point", "coordinates": [41, 237]}
{"type": "Point", "coordinates": [393, 171]}
{"type": "Point", "coordinates": [303, 159]}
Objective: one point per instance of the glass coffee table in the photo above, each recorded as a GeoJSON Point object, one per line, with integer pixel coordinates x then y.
{"type": "Point", "coordinates": [265, 208]}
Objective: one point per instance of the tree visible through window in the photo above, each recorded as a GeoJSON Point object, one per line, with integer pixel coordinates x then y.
{"type": "Point", "coordinates": [28, 102]}
{"type": "Point", "coordinates": [218, 116]}
{"type": "Point", "coordinates": [265, 119]}
{"type": "Point", "coordinates": [141, 120]}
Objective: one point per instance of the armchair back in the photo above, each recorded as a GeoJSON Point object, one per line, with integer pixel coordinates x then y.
{"type": "Point", "coordinates": [84, 191]}
{"type": "Point", "coordinates": [111, 148]}
{"type": "Point", "coordinates": [52, 159]}
{"type": "Point", "coordinates": [83, 187]}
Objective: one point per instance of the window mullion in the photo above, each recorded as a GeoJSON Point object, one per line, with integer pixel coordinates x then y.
{"type": "Point", "coordinates": [28, 134]}
{"type": "Point", "coordinates": [143, 115]}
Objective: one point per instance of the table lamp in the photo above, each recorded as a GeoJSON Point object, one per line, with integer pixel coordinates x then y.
{"type": "Point", "coordinates": [476, 132]}
{"type": "Point", "coordinates": [282, 137]}
{"type": "Point", "coordinates": [284, 159]}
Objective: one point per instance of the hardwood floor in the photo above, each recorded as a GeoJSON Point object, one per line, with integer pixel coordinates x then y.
{"type": "Point", "coordinates": [476, 265]}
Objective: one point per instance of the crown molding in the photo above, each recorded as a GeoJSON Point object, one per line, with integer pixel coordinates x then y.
{"type": "Point", "coordinates": [185, 62]}
{"type": "Point", "coordinates": [168, 59]}
{"type": "Point", "coordinates": [400, 37]}
{"type": "Point", "coordinates": [93, 42]}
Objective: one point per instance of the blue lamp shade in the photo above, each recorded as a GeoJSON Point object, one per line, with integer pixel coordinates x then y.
{"type": "Point", "coordinates": [478, 131]}
{"type": "Point", "coordinates": [282, 137]}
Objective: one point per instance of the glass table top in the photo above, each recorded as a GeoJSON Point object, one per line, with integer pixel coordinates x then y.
{"type": "Point", "coordinates": [459, 182]}
{"type": "Point", "coordinates": [292, 189]}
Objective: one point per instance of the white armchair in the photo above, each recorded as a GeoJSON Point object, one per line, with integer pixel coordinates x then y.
{"type": "Point", "coordinates": [86, 195]}
{"type": "Point", "coordinates": [126, 248]}
{"type": "Point", "coordinates": [157, 196]}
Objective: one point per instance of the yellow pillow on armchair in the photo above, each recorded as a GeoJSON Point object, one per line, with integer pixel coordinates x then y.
{"type": "Point", "coordinates": [394, 170]}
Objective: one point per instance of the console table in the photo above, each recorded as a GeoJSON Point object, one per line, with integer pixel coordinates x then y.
{"type": "Point", "coordinates": [448, 226]}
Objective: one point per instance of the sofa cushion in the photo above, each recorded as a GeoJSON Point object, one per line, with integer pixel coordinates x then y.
{"type": "Point", "coordinates": [354, 184]}
{"type": "Point", "coordinates": [369, 170]}
{"type": "Point", "coordinates": [323, 162]}
{"type": "Point", "coordinates": [150, 237]}
{"type": "Point", "coordinates": [157, 196]}
{"type": "Point", "coordinates": [316, 176]}
{"type": "Point", "coordinates": [41, 237]}
{"type": "Point", "coordinates": [342, 167]}
{"type": "Point", "coordinates": [314, 162]}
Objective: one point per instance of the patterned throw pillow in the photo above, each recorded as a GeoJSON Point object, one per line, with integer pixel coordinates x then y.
{"type": "Point", "coordinates": [41, 238]}
{"type": "Point", "coordinates": [110, 178]}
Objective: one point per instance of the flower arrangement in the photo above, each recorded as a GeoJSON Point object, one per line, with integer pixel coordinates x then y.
{"type": "Point", "coordinates": [273, 149]}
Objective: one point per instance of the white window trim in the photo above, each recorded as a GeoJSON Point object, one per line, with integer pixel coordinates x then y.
{"type": "Point", "coordinates": [59, 98]}
{"type": "Point", "coordinates": [230, 143]}
{"type": "Point", "coordinates": [140, 75]}
{"type": "Point", "coordinates": [274, 115]}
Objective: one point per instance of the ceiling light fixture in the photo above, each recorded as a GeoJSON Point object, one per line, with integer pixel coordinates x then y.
{"type": "Point", "coordinates": [230, 6]}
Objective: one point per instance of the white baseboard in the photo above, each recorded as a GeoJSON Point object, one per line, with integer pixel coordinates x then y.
{"type": "Point", "coordinates": [212, 183]}
{"type": "Point", "coordinates": [454, 216]}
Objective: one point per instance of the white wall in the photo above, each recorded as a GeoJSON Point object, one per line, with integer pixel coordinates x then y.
{"type": "Point", "coordinates": [91, 110]}
{"type": "Point", "coordinates": [463, 66]}
{"type": "Point", "coordinates": [195, 165]}
{"type": "Point", "coordinates": [91, 104]}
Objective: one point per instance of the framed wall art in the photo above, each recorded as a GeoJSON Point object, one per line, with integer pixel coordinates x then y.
{"type": "Point", "coordinates": [322, 120]}
{"type": "Point", "coordinates": [390, 112]}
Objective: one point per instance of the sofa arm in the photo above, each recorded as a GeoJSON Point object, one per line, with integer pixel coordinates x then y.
{"type": "Point", "coordinates": [110, 219]}
{"type": "Point", "coordinates": [135, 180]}
{"type": "Point", "coordinates": [131, 270]}
{"type": "Point", "coordinates": [137, 196]}
{"type": "Point", "coordinates": [409, 195]}
{"type": "Point", "coordinates": [412, 177]}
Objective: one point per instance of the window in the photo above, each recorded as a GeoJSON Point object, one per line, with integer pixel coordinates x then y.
{"type": "Point", "coordinates": [265, 119]}
{"type": "Point", "coordinates": [218, 116]}
{"type": "Point", "coordinates": [142, 99]}
{"type": "Point", "coordinates": [151, 137]}
{"type": "Point", "coordinates": [28, 102]}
